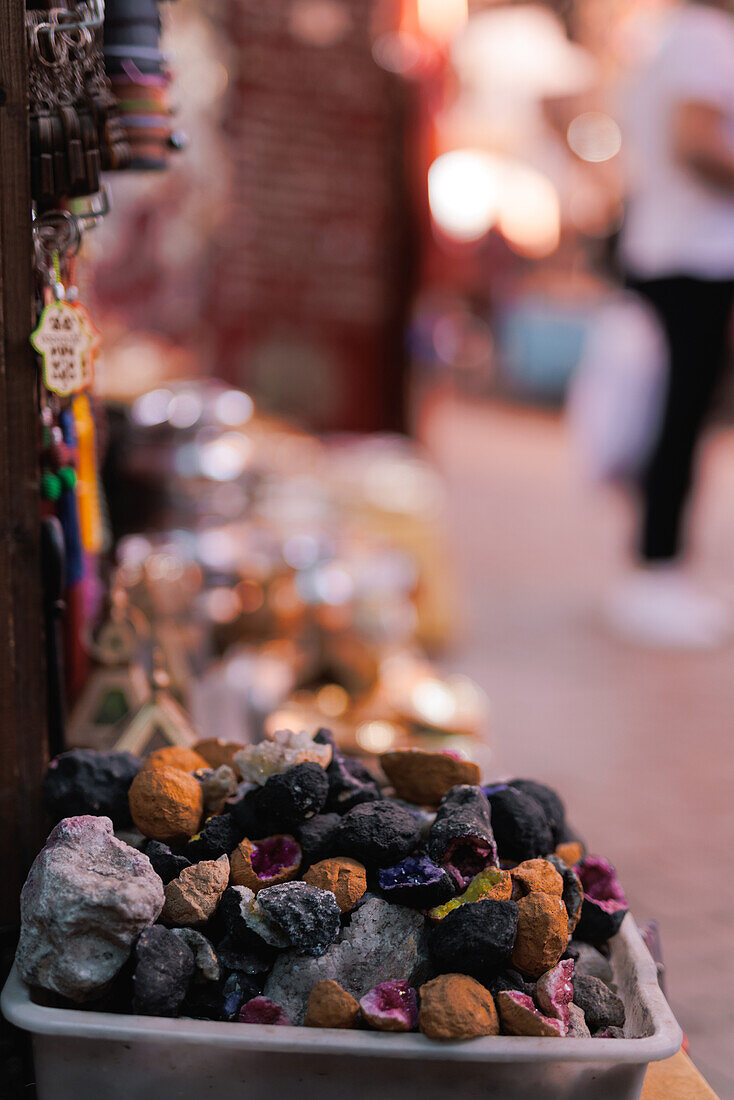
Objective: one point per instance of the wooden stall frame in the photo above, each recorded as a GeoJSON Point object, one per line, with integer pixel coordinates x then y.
{"type": "Point", "coordinates": [23, 723]}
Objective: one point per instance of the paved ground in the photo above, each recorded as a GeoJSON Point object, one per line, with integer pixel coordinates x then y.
{"type": "Point", "coordinates": [639, 742]}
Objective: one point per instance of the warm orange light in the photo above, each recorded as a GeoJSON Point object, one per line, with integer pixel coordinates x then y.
{"type": "Point", "coordinates": [332, 700]}
{"type": "Point", "coordinates": [530, 213]}
{"type": "Point", "coordinates": [441, 20]}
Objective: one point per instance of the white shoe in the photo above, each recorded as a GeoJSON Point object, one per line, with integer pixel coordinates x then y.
{"type": "Point", "coordinates": [659, 606]}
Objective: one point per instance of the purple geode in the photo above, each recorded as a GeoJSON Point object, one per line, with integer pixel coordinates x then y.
{"type": "Point", "coordinates": [554, 991]}
{"type": "Point", "coordinates": [605, 903]}
{"type": "Point", "coordinates": [273, 855]}
{"type": "Point", "coordinates": [391, 1006]}
{"type": "Point", "coordinates": [417, 882]}
{"type": "Point", "coordinates": [261, 1010]}
{"type": "Point", "coordinates": [461, 837]}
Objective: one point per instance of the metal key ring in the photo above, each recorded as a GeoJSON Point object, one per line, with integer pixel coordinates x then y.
{"type": "Point", "coordinates": [56, 231]}
{"type": "Point", "coordinates": [60, 56]}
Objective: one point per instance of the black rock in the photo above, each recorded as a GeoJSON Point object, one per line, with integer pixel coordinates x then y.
{"type": "Point", "coordinates": [550, 802]}
{"type": "Point", "coordinates": [598, 923]}
{"type": "Point", "coordinates": [475, 939]}
{"type": "Point", "coordinates": [350, 784]}
{"type": "Point", "coordinates": [237, 989]}
{"type": "Point", "coordinates": [164, 969]}
{"type": "Point", "coordinates": [600, 1006]}
{"type": "Point", "coordinates": [229, 922]}
{"type": "Point", "coordinates": [573, 893]}
{"type": "Point", "coordinates": [570, 836]}
{"type": "Point", "coordinates": [307, 916]}
{"type": "Point", "coordinates": [166, 864]}
{"type": "Point", "coordinates": [520, 826]}
{"type": "Point", "coordinates": [316, 837]}
{"type": "Point", "coordinates": [207, 968]}
{"type": "Point", "coordinates": [218, 836]}
{"type": "Point", "coordinates": [204, 1002]}
{"type": "Point", "coordinates": [609, 1033]}
{"type": "Point", "coordinates": [587, 960]}
{"type": "Point", "coordinates": [324, 736]}
{"type": "Point", "coordinates": [85, 781]}
{"type": "Point", "coordinates": [254, 958]}
{"type": "Point", "coordinates": [417, 882]}
{"type": "Point", "coordinates": [378, 834]}
{"type": "Point", "coordinates": [461, 838]}
{"type": "Point", "coordinates": [511, 979]}
{"type": "Point", "coordinates": [287, 800]}
{"type": "Point", "coordinates": [243, 809]}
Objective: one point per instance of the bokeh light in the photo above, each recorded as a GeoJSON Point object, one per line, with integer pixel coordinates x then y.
{"type": "Point", "coordinates": [530, 213]}
{"type": "Point", "coordinates": [594, 136]}
{"type": "Point", "coordinates": [233, 407]}
{"type": "Point", "coordinates": [464, 193]}
{"type": "Point", "coordinates": [441, 20]}
{"type": "Point", "coordinates": [226, 457]}
{"type": "Point", "coordinates": [377, 736]}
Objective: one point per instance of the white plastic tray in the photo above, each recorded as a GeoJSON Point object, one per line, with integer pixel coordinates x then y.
{"type": "Point", "coordinates": [97, 1056]}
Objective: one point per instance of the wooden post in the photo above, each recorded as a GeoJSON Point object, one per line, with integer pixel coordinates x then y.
{"type": "Point", "coordinates": [23, 737]}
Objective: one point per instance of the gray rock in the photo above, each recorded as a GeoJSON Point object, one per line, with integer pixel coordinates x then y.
{"type": "Point", "coordinates": [307, 916]}
{"type": "Point", "coordinates": [86, 899]}
{"type": "Point", "coordinates": [164, 969]}
{"type": "Point", "coordinates": [577, 1028]}
{"type": "Point", "coordinates": [382, 942]}
{"type": "Point", "coordinates": [601, 1008]}
{"type": "Point", "coordinates": [245, 911]}
{"type": "Point", "coordinates": [205, 957]}
{"type": "Point", "coordinates": [591, 963]}
{"type": "Point", "coordinates": [609, 1033]}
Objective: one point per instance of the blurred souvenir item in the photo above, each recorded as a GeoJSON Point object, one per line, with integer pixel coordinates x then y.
{"type": "Point", "coordinates": [158, 722]}
{"type": "Point", "coordinates": [617, 398]}
{"type": "Point", "coordinates": [232, 698]}
{"type": "Point", "coordinates": [141, 80]}
{"type": "Point", "coordinates": [117, 685]}
{"type": "Point", "coordinates": [74, 129]}
{"type": "Point", "coordinates": [428, 700]}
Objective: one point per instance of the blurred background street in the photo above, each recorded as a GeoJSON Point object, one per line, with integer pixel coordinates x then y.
{"type": "Point", "coordinates": [638, 741]}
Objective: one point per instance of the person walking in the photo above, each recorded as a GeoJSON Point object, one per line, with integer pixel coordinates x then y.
{"type": "Point", "coordinates": [677, 251]}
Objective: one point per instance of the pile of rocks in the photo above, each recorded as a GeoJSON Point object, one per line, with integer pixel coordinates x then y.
{"type": "Point", "coordinates": [285, 884]}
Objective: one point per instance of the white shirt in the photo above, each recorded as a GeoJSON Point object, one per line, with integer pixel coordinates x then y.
{"type": "Point", "coordinates": [677, 224]}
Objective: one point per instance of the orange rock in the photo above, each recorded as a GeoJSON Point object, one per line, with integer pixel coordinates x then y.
{"type": "Point", "coordinates": [175, 756]}
{"type": "Point", "coordinates": [424, 777]}
{"type": "Point", "coordinates": [217, 752]}
{"type": "Point", "coordinates": [331, 1006]}
{"type": "Point", "coordinates": [520, 1016]}
{"type": "Point", "coordinates": [454, 1006]}
{"type": "Point", "coordinates": [345, 878]}
{"type": "Point", "coordinates": [571, 853]}
{"type": "Point", "coordinates": [283, 853]}
{"type": "Point", "coordinates": [192, 898]}
{"type": "Point", "coordinates": [535, 875]}
{"type": "Point", "coordinates": [542, 933]}
{"type": "Point", "coordinates": [166, 804]}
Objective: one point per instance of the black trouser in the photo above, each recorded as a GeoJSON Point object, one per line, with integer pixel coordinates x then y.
{"type": "Point", "coordinates": [695, 315]}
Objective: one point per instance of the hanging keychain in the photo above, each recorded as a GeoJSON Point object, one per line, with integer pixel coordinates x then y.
{"type": "Point", "coordinates": [62, 338]}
